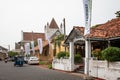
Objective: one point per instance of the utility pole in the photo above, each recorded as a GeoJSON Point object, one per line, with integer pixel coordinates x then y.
{"type": "Point", "coordinates": [64, 31]}
{"type": "Point", "coordinates": [64, 28]}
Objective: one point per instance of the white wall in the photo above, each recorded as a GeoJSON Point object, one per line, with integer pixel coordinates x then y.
{"type": "Point", "coordinates": [105, 70]}
{"type": "Point", "coordinates": [63, 64]}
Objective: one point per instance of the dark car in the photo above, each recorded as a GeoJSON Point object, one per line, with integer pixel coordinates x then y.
{"type": "Point", "coordinates": [19, 61]}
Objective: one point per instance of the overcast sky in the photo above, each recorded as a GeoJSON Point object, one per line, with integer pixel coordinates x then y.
{"type": "Point", "coordinates": [32, 15]}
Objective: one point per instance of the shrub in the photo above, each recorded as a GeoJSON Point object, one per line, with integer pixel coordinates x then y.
{"type": "Point", "coordinates": [67, 54]}
{"type": "Point", "coordinates": [97, 53]}
{"type": "Point", "coordinates": [61, 54]}
{"type": "Point", "coordinates": [50, 66]}
{"type": "Point", "coordinates": [111, 54]}
{"type": "Point", "coordinates": [77, 58]}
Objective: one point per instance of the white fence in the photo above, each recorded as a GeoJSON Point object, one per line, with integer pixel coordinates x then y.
{"type": "Point", "coordinates": [105, 70]}
{"type": "Point", "coordinates": [63, 64]}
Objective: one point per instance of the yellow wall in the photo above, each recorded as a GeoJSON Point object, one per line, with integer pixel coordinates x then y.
{"type": "Point", "coordinates": [62, 48]}
{"type": "Point", "coordinates": [51, 53]}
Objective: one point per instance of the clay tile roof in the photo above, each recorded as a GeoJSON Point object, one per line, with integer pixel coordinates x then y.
{"type": "Point", "coordinates": [33, 36]}
{"type": "Point", "coordinates": [110, 29]}
{"type": "Point", "coordinates": [53, 24]}
{"type": "Point", "coordinates": [81, 29]}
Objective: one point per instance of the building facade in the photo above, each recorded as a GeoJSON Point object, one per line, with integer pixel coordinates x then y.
{"type": "Point", "coordinates": [3, 53]}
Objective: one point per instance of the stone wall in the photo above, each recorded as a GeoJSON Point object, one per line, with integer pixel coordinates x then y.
{"type": "Point", "coordinates": [104, 69]}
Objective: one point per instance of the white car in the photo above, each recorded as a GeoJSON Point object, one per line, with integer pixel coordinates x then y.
{"type": "Point", "coordinates": [26, 59]}
{"type": "Point", "coordinates": [33, 60]}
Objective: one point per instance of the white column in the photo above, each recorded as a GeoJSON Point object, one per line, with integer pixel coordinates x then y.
{"type": "Point", "coordinates": [87, 56]}
{"type": "Point", "coordinates": [71, 56]}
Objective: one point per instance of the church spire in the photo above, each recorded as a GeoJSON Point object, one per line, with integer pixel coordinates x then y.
{"type": "Point", "coordinates": [53, 24]}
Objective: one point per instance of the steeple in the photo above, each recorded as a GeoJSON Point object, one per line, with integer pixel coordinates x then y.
{"type": "Point", "coordinates": [53, 24]}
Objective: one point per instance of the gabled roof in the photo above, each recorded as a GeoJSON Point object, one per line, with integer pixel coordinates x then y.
{"type": "Point", "coordinates": [110, 29]}
{"type": "Point", "coordinates": [53, 24]}
{"type": "Point", "coordinates": [76, 31]}
{"type": "Point", "coordinates": [3, 48]}
{"type": "Point", "coordinates": [56, 33]}
{"type": "Point", "coordinates": [29, 36]}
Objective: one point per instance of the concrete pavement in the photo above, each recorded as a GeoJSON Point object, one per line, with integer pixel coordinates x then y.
{"type": "Point", "coordinates": [31, 72]}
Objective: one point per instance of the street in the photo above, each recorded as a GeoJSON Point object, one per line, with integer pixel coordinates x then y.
{"type": "Point", "coordinates": [32, 72]}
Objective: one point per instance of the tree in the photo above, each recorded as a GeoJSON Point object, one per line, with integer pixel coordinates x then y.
{"type": "Point", "coordinates": [12, 54]}
{"type": "Point", "coordinates": [35, 43]}
{"type": "Point", "coordinates": [117, 14]}
{"type": "Point", "coordinates": [57, 41]}
{"type": "Point", "coordinates": [111, 54]}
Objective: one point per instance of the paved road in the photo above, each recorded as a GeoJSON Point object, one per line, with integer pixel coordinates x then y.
{"type": "Point", "coordinates": [31, 72]}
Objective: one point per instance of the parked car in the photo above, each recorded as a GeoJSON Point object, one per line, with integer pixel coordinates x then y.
{"type": "Point", "coordinates": [33, 60]}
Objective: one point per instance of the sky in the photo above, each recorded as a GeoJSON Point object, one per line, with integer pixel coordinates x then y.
{"type": "Point", "coordinates": [33, 15]}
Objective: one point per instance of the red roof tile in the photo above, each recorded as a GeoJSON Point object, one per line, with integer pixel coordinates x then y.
{"type": "Point", "coordinates": [33, 36]}
{"type": "Point", "coordinates": [81, 29]}
{"type": "Point", "coordinates": [108, 30]}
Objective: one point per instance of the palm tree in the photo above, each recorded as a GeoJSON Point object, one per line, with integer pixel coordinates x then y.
{"type": "Point", "coordinates": [57, 41]}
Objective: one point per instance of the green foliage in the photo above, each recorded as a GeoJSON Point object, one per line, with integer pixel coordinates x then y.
{"type": "Point", "coordinates": [78, 58]}
{"type": "Point", "coordinates": [97, 53]}
{"type": "Point", "coordinates": [117, 14]}
{"type": "Point", "coordinates": [61, 54]}
{"type": "Point", "coordinates": [12, 54]}
{"type": "Point", "coordinates": [35, 43]}
{"type": "Point", "coordinates": [50, 66]}
{"type": "Point", "coordinates": [111, 54]}
{"type": "Point", "coordinates": [42, 63]}
{"type": "Point", "coordinates": [67, 54]}
{"type": "Point", "coordinates": [57, 40]}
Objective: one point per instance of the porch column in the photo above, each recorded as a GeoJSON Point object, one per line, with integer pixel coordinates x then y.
{"type": "Point", "coordinates": [87, 56]}
{"type": "Point", "coordinates": [71, 56]}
